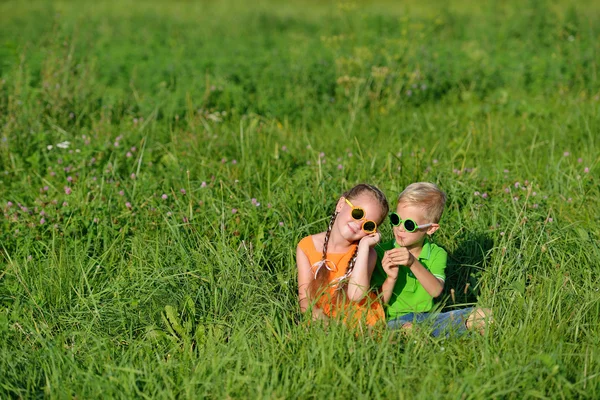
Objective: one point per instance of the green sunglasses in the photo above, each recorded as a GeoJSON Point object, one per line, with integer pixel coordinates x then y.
{"type": "Point", "coordinates": [409, 224]}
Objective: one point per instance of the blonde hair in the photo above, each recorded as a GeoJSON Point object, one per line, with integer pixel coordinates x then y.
{"type": "Point", "coordinates": [427, 196]}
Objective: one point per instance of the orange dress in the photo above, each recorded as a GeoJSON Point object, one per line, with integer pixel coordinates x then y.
{"type": "Point", "coordinates": [369, 309]}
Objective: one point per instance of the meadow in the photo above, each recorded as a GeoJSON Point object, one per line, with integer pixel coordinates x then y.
{"type": "Point", "coordinates": [159, 162]}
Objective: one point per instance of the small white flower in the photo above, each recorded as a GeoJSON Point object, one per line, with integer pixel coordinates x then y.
{"type": "Point", "coordinates": [50, 147]}
{"type": "Point", "coordinates": [63, 145]}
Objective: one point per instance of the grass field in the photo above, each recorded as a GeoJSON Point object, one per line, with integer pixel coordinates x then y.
{"type": "Point", "coordinates": [159, 162]}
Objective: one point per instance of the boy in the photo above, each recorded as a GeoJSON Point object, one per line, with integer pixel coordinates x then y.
{"type": "Point", "coordinates": [410, 270]}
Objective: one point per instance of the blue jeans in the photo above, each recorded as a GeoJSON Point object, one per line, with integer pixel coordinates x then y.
{"type": "Point", "coordinates": [446, 322]}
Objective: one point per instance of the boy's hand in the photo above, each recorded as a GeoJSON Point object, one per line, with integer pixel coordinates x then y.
{"type": "Point", "coordinates": [389, 266]}
{"type": "Point", "coordinates": [394, 258]}
{"type": "Point", "coordinates": [370, 240]}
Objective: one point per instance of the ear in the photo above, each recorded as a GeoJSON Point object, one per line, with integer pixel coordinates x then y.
{"type": "Point", "coordinates": [432, 229]}
{"type": "Point", "coordinates": [340, 204]}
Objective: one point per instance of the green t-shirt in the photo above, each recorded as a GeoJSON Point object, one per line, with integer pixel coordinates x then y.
{"type": "Point", "coordinates": [408, 294]}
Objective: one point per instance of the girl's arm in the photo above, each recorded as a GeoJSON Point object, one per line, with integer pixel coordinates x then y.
{"type": "Point", "coordinates": [305, 276]}
{"type": "Point", "coordinates": [360, 279]}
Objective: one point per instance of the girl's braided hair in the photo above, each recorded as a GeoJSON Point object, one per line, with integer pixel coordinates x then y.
{"type": "Point", "coordinates": [318, 285]}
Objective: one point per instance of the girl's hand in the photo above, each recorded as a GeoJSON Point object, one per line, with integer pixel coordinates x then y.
{"type": "Point", "coordinates": [370, 240]}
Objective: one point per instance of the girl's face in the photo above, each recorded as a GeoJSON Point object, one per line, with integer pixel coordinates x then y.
{"type": "Point", "coordinates": [417, 214]}
{"type": "Point", "coordinates": [351, 229]}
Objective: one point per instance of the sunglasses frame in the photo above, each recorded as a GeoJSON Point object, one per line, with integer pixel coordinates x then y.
{"type": "Point", "coordinates": [364, 214]}
{"type": "Point", "coordinates": [402, 222]}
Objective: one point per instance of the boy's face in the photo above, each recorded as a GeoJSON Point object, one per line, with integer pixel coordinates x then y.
{"type": "Point", "coordinates": [417, 214]}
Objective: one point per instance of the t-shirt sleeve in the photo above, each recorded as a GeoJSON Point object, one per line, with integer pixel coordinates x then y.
{"type": "Point", "coordinates": [437, 265]}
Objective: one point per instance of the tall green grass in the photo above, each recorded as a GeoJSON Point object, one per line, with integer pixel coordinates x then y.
{"type": "Point", "coordinates": [153, 256]}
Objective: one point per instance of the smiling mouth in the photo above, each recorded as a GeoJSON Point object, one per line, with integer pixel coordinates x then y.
{"type": "Point", "coordinates": [352, 229]}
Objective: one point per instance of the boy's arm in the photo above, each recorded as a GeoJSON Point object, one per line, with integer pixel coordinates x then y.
{"type": "Point", "coordinates": [391, 269]}
{"type": "Point", "coordinates": [388, 288]}
{"type": "Point", "coordinates": [401, 256]}
{"type": "Point", "coordinates": [434, 286]}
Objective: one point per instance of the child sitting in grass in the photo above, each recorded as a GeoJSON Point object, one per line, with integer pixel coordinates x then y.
{"type": "Point", "coordinates": [335, 266]}
{"type": "Point", "coordinates": [410, 269]}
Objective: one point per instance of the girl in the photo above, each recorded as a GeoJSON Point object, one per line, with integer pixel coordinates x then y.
{"type": "Point", "coordinates": [335, 266]}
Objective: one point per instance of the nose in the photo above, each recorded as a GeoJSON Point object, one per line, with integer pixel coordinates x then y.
{"type": "Point", "coordinates": [400, 227]}
{"type": "Point", "coordinates": [357, 223]}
